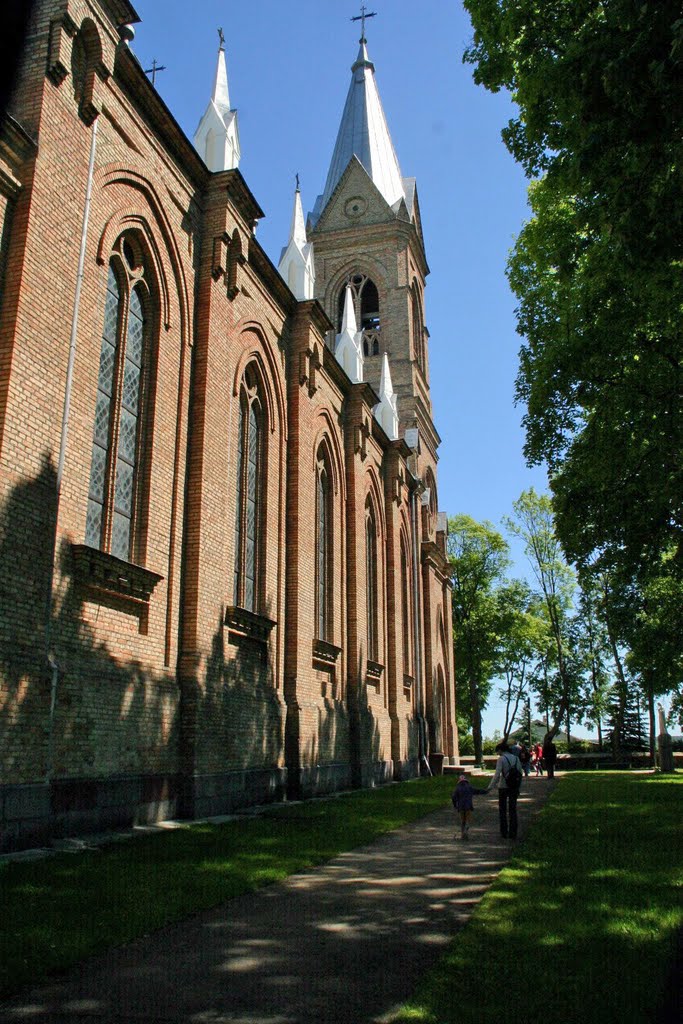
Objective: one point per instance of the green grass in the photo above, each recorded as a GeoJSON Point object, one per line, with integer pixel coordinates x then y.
{"type": "Point", "coordinates": [582, 925]}
{"type": "Point", "coordinates": [57, 911]}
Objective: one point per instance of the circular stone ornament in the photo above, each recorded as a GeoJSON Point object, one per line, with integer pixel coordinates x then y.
{"type": "Point", "coordinates": [355, 206]}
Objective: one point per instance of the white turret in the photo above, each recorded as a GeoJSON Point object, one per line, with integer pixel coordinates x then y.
{"type": "Point", "coordinates": [217, 138]}
{"type": "Point", "coordinates": [296, 262]}
{"type": "Point", "coordinates": [386, 411]}
{"type": "Point", "coordinates": [349, 349]}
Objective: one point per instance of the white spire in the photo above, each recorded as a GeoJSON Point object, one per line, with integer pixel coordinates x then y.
{"type": "Point", "coordinates": [296, 262]}
{"type": "Point", "coordinates": [386, 411]}
{"type": "Point", "coordinates": [221, 96]}
{"type": "Point", "coordinates": [363, 133]}
{"type": "Point", "coordinates": [349, 349]}
{"type": "Point", "coordinates": [349, 314]}
{"type": "Point", "coordinates": [217, 138]}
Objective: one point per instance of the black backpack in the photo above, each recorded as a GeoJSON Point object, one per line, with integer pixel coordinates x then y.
{"type": "Point", "coordinates": [513, 776]}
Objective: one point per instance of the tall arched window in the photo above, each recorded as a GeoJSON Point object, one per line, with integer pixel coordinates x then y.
{"type": "Point", "coordinates": [366, 305]}
{"type": "Point", "coordinates": [114, 499]}
{"type": "Point", "coordinates": [418, 326]}
{"type": "Point", "coordinates": [405, 610]}
{"type": "Point", "coordinates": [250, 478]}
{"type": "Point", "coordinates": [323, 549]}
{"type": "Point", "coordinates": [371, 579]}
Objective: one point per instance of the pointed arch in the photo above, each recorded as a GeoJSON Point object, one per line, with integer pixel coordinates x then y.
{"type": "Point", "coordinates": [369, 280]}
{"type": "Point", "coordinates": [328, 435]}
{"type": "Point", "coordinates": [260, 352]}
{"type": "Point", "coordinates": [161, 238]}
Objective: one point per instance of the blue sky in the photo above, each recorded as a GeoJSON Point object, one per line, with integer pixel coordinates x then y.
{"type": "Point", "coordinates": [289, 71]}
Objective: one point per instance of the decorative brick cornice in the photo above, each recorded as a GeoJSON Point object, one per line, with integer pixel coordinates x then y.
{"type": "Point", "coordinates": [433, 557]}
{"type": "Point", "coordinates": [62, 31]}
{"type": "Point", "coordinates": [319, 318]}
{"type": "Point", "coordinates": [16, 145]}
{"type": "Point", "coordinates": [241, 195]}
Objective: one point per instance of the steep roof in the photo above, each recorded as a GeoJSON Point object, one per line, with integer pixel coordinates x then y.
{"type": "Point", "coordinates": [363, 132]}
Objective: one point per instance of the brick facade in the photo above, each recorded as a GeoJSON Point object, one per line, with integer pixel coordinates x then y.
{"type": "Point", "coordinates": [140, 687]}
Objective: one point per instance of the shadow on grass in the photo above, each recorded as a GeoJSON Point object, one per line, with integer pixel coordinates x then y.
{"type": "Point", "coordinates": [60, 910]}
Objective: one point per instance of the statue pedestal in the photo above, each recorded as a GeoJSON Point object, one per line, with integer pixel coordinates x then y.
{"type": "Point", "coordinates": [666, 753]}
{"type": "Point", "coordinates": [664, 744]}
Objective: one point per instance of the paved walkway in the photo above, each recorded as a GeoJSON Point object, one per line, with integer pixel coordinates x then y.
{"type": "Point", "coordinates": [345, 943]}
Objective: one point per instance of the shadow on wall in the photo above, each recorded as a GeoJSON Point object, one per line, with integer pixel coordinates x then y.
{"type": "Point", "coordinates": [242, 710]}
{"type": "Point", "coordinates": [112, 717]}
{"type": "Point", "coordinates": [115, 748]}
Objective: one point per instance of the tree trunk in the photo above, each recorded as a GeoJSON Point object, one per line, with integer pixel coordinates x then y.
{"type": "Point", "coordinates": [651, 714]}
{"type": "Point", "coordinates": [599, 724]}
{"type": "Point", "coordinates": [476, 722]}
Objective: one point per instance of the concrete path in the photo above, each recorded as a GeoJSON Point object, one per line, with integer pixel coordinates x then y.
{"type": "Point", "coordinates": [345, 943]}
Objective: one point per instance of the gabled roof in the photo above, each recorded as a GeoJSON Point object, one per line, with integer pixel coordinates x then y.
{"type": "Point", "coordinates": [363, 133]}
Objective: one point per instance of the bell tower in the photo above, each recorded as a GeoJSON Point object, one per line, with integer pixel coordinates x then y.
{"type": "Point", "coordinates": [367, 237]}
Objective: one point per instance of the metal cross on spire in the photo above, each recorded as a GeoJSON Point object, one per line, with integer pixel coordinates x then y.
{"type": "Point", "coordinates": [361, 17]}
{"type": "Point", "coordinates": [221, 39]}
{"type": "Point", "coordinates": [155, 68]}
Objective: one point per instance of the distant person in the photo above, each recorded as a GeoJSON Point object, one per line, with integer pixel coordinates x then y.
{"type": "Point", "coordinates": [538, 759]}
{"type": "Point", "coordinates": [463, 801]}
{"type": "Point", "coordinates": [549, 757]}
{"type": "Point", "coordinates": [507, 779]}
{"type": "Point", "coordinates": [524, 756]}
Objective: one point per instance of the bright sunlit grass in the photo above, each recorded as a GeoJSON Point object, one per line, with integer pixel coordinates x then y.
{"type": "Point", "coordinates": [582, 925]}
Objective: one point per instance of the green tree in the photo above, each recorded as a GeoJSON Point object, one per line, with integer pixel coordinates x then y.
{"type": "Point", "coordinates": [597, 270]}
{"type": "Point", "coordinates": [533, 522]}
{"type": "Point", "coordinates": [479, 557]}
{"type": "Point", "coordinates": [522, 639]}
{"type": "Point", "coordinates": [594, 650]}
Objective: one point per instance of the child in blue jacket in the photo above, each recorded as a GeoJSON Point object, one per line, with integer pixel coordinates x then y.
{"type": "Point", "coordinates": [464, 804]}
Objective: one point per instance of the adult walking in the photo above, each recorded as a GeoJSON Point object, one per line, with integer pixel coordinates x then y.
{"type": "Point", "coordinates": [507, 780]}
{"type": "Point", "coordinates": [549, 756]}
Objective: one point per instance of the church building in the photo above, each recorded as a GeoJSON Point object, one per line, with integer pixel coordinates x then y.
{"type": "Point", "coordinates": [223, 573]}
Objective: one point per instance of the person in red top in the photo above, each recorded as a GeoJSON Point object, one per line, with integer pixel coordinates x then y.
{"type": "Point", "coordinates": [538, 758]}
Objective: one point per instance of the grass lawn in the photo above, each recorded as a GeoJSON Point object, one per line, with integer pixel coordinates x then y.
{"type": "Point", "coordinates": [582, 925]}
{"type": "Point", "coordinates": [55, 912]}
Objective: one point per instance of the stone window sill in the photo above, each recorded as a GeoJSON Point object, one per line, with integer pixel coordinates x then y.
{"type": "Point", "coordinates": [374, 672]}
{"type": "Point", "coordinates": [248, 624]}
{"type": "Point", "coordinates": [408, 683]}
{"type": "Point", "coordinates": [104, 572]}
{"type": "Point", "coordinates": [325, 652]}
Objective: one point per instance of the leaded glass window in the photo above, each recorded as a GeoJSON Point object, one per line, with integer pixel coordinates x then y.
{"type": "Point", "coordinates": [323, 551]}
{"type": "Point", "coordinates": [116, 448]}
{"type": "Point", "coordinates": [405, 609]}
{"type": "Point", "coordinates": [371, 580]}
{"type": "Point", "coordinates": [249, 484]}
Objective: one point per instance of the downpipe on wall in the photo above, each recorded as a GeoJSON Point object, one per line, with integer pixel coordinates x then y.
{"type": "Point", "coordinates": [51, 658]}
